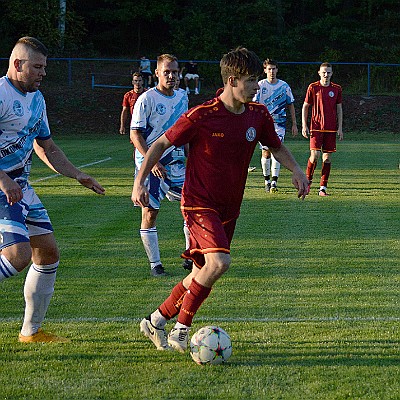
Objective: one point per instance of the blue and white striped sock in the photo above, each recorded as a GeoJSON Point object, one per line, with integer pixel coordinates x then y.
{"type": "Point", "coordinates": [6, 269]}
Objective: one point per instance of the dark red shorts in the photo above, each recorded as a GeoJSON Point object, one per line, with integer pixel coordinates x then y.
{"type": "Point", "coordinates": [208, 234]}
{"type": "Point", "coordinates": [325, 141]}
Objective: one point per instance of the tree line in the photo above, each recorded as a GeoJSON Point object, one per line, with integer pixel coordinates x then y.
{"type": "Point", "coordinates": [301, 30]}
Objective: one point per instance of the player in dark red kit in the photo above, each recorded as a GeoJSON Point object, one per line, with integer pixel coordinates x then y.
{"type": "Point", "coordinates": [129, 100]}
{"type": "Point", "coordinates": [325, 99]}
{"type": "Point", "coordinates": [222, 134]}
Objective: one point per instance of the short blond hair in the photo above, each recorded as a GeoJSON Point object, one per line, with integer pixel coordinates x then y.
{"type": "Point", "coordinates": [325, 64]}
{"type": "Point", "coordinates": [166, 57]}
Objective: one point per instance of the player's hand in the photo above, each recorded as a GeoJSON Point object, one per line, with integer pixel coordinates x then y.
{"type": "Point", "coordinates": [122, 131]}
{"type": "Point", "coordinates": [300, 182]}
{"type": "Point", "coordinates": [340, 135]}
{"type": "Point", "coordinates": [140, 195]}
{"type": "Point", "coordinates": [295, 131]}
{"type": "Point", "coordinates": [305, 131]}
{"type": "Point", "coordinates": [90, 183]}
{"type": "Point", "coordinates": [159, 171]}
{"type": "Point", "coordinates": [11, 189]}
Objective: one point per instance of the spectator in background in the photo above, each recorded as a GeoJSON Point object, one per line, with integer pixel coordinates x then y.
{"type": "Point", "coordinates": [129, 101]}
{"type": "Point", "coordinates": [325, 99]}
{"type": "Point", "coordinates": [145, 70]}
{"type": "Point", "coordinates": [191, 73]}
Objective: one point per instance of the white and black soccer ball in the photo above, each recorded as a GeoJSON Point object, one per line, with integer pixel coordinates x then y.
{"type": "Point", "coordinates": [210, 345]}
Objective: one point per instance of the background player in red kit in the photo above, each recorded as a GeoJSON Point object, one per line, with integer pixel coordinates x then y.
{"type": "Point", "coordinates": [129, 101]}
{"type": "Point", "coordinates": [222, 134]}
{"type": "Point", "coordinates": [325, 98]}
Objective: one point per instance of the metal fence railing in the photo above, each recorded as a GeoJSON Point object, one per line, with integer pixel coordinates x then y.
{"type": "Point", "coordinates": [364, 78]}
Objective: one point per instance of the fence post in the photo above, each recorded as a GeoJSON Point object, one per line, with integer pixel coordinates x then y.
{"type": "Point", "coordinates": [369, 80]}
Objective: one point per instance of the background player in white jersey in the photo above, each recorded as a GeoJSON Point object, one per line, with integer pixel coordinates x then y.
{"type": "Point", "coordinates": [276, 95]}
{"type": "Point", "coordinates": [178, 86]}
{"type": "Point", "coordinates": [26, 232]}
{"type": "Point", "coordinates": [155, 111]}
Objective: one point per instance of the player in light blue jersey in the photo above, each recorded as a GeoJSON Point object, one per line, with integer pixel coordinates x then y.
{"type": "Point", "coordinates": [155, 111]}
{"type": "Point", "coordinates": [276, 95]}
{"type": "Point", "coordinates": [26, 233]}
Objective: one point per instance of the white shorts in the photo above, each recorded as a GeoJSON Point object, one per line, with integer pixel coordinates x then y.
{"type": "Point", "coordinates": [191, 76]}
{"type": "Point", "coordinates": [24, 219]}
{"type": "Point", "coordinates": [170, 187]}
{"type": "Point", "coordinates": [280, 131]}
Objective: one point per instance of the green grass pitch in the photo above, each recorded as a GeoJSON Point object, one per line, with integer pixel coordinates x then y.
{"type": "Point", "coordinates": [311, 301]}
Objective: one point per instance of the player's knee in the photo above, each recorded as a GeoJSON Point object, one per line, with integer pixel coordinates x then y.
{"type": "Point", "coordinates": [46, 256]}
{"type": "Point", "coordinates": [19, 255]}
{"type": "Point", "coordinates": [44, 249]}
{"type": "Point", "coordinates": [222, 264]}
{"type": "Point", "coordinates": [149, 217]}
{"type": "Point", "coordinates": [326, 158]}
{"type": "Point", "coordinates": [314, 156]}
{"type": "Point", "coordinates": [266, 153]}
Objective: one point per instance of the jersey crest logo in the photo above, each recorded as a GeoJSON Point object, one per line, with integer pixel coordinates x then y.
{"type": "Point", "coordinates": [331, 94]}
{"type": "Point", "coordinates": [251, 134]}
{"type": "Point", "coordinates": [160, 109]}
{"type": "Point", "coordinates": [18, 109]}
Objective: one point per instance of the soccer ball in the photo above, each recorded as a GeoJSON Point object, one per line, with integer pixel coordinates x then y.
{"type": "Point", "coordinates": [210, 345]}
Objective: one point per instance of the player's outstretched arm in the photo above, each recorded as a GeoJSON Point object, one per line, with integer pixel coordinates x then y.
{"type": "Point", "coordinates": [140, 194]}
{"type": "Point", "coordinates": [299, 179]}
{"type": "Point", "coordinates": [89, 182]}
{"type": "Point", "coordinates": [55, 159]}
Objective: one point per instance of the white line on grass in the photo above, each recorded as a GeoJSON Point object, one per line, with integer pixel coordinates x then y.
{"type": "Point", "coordinates": [80, 166]}
{"type": "Point", "coordinates": [209, 319]}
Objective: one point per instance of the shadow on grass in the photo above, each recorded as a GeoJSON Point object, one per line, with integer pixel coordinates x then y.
{"type": "Point", "coordinates": [310, 354]}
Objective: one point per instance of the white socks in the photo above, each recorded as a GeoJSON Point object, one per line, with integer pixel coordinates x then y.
{"type": "Point", "coordinates": [275, 167]}
{"type": "Point", "coordinates": [157, 319]}
{"type": "Point", "coordinates": [178, 325]}
{"type": "Point", "coordinates": [38, 290]}
{"type": "Point", "coordinates": [266, 166]}
{"type": "Point", "coordinates": [6, 269]}
{"type": "Point", "coordinates": [150, 242]}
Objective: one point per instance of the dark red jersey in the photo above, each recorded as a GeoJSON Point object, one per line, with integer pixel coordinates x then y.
{"type": "Point", "coordinates": [221, 145]}
{"type": "Point", "coordinates": [130, 98]}
{"type": "Point", "coordinates": [323, 100]}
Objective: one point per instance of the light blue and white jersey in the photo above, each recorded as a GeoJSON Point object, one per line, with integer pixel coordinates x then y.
{"type": "Point", "coordinates": [153, 114]}
{"type": "Point", "coordinates": [22, 118]}
{"type": "Point", "coordinates": [275, 97]}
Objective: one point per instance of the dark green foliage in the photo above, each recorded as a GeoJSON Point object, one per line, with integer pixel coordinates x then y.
{"type": "Point", "coordinates": [303, 30]}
